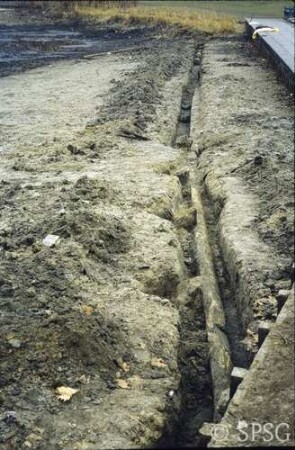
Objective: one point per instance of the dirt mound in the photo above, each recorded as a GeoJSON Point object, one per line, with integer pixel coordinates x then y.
{"type": "Point", "coordinates": [98, 230]}
{"type": "Point", "coordinates": [62, 347]}
{"type": "Point", "coordinates": [49, 350]}
{"type": "Point", "coordinates": [137, 100]}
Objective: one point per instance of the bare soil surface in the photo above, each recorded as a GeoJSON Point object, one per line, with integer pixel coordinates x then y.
{"type": "Point", "coordinates": [94, 152]}
{"type": "Point", "coordinates": [245, 164]}
{"type": "Point", "coordinates": [242, 130]}
{"type": "Point", "coordinates": [97, 311]}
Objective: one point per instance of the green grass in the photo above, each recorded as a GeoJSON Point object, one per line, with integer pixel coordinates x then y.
{"type": "Point", "coordinates": [241, 9]}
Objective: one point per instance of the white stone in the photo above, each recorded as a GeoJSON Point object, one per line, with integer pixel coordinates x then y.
{"type": "Point", "coordinates": [50, 240]}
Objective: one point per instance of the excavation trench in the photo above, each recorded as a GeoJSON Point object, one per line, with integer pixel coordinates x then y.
{"type": "Point", "coordinates": [240, 355]}
{"type": "Point", "coordinates": [195, 405]}
{"type": "Point", "coordinates": [210, 329]}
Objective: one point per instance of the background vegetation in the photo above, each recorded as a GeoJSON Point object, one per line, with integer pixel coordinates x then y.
{"type": "Point", "coordinates": [238, 8]}
{"type": "Point", "coordinates": [210, 16]}
{"type": "Point", "coordinates": [202, 21]}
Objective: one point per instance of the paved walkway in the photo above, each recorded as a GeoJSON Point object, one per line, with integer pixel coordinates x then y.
{"type": "Point", "coordinates": [281, 42]}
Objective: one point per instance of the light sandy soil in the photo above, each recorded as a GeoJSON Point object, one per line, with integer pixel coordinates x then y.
{"type": "Point", "coordinates": [243, 133]}
{"type": "Point", "coordinates": [48, 105]}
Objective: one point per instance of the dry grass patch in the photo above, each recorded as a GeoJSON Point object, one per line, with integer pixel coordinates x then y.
{"type": "Point", "coordinates": [206, 22]}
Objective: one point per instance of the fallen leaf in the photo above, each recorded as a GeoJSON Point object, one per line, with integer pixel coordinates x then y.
{"type": "Point", "coordinates": [125, 367]}
{"type": "Point", "coordinates": [65, 393]}
{"type": "Point", "coordinates": [122, 384]}
{"type": "Point", "coordinates": [32, 439]}
{"type": "Point", "coordinates": [87, 310]}
{"type": "Point", "coordinates": [158, 362]}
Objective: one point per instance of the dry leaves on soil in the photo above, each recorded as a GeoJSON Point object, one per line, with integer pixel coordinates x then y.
{"type": "Point", "coordinates": [122, 384]}
{"type": "Point", "coordinates": [65, 393]}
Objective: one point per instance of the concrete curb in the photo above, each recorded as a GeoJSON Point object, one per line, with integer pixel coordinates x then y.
{"type": "Point", "coordinates": [275, 56]}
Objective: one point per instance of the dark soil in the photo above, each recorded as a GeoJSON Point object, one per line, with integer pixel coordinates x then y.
{"type": "Point", "coordinates": [38, 42]}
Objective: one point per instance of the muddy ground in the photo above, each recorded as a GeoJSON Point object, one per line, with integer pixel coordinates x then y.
{"type": "Point", "coordinates": [91, 152]}
{"type": "Point", "coordinates": [29, 40]}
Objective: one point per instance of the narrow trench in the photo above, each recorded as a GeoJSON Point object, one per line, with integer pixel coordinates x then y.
{"type": "Point", "coordinates": [240, 355]}
{"type": "Point", "coordinates": [196, 396]}
{"type": "Point", "coordinates": [195, 392]}
{"type": "Point", "coordinates": [182, 133]}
